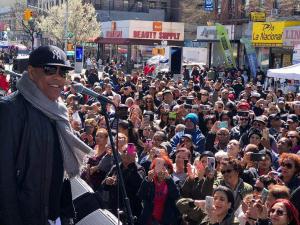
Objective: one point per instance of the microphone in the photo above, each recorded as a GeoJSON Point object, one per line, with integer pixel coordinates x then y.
{"type": "Point", "coordinates": [79, 88]}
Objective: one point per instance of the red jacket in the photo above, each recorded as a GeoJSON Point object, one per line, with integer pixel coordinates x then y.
{"type": "Point", "coordinates": [4, 85]}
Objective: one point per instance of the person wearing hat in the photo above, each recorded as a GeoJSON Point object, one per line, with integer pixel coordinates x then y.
{"type": "Point", "coordinates": [275, 125]}
{"type": "Point", "coordinates": [293, 122]}
{"type": "Point", "coordinates": [38, 146]}
{"type": "Point", "coordinates": [190, 121]}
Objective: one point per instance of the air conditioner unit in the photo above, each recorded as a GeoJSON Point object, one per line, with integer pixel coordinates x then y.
{"type": "Point", "coordinates": [274, 12]}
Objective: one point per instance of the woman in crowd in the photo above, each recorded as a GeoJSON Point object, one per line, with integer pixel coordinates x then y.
{"type": "Point", "coordinates": [282, 212]}
{"type": "Point", "coordinates": [91, 173]}
{"type": "Point", "coordinates": [222, 210]}
{"type": "Point", "coordinates": [290, 165]}
{"type": "Point", "coordinates": [158, 194]}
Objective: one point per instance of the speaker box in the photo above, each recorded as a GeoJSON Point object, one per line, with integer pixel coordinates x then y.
{"type": "Point", "coordinates": [176, 59]}
{"type": "Point", "coordinates": [88, 206]}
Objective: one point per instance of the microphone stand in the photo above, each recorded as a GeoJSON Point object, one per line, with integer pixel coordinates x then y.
{"type": "Point", "coordinates": [115, 155]}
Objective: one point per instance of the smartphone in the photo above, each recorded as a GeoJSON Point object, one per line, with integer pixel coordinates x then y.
{"type": "Point", "coordinates": [146, 119]}
{"type": "Point", "coordinates": [264, 195]}
{"type": "Point", "coordinates": [131, 149]}
{"type": "Point", "coordinates": [205, 107]}
{"type": "Point", "coordinates": [172, 115]}
{"type": "Point", "coordinates": [159, 165]}
{"type": "Point", "coordinates": [223, 124]}
{"type": "Point", "coordinates": [211, 164]}
{"type": "Point", "coordinates": [185, 165]}
{"type": "Point", "coordinates": [188, 106]}
{"type": "Point", "coordinates": [255, 157]}
{"type": "Point", "coordinates": [209, 201]}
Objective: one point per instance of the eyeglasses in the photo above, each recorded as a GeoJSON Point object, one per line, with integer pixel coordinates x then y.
{"type": "Point", "coordinates": [278, 212]}
{"type": "Point", "coordinates": [52, 70]}
{"type": "Point", "coordinates": [287, 165]}
{"type": "Point", "coordinates": [226, 171]}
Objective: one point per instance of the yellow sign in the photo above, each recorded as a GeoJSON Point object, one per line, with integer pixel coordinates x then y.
{"type": "Point", "coordinates": [270, 33]}
{"type": "Point", "coordinates": [258, 16]}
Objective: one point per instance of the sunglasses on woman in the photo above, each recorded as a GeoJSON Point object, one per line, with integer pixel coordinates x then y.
{"type": "Point", "coordinates": [52, 70]}
{"type": "Point", "coordinates": [278, 212]}
{"type": "Point", "coordinates": [287, 165]}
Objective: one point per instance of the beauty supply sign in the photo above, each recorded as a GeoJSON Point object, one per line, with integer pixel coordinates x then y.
{"type": "Point", "coordinates": [156, 30]}
{"type": "Point", "coordinates": [291, 36]}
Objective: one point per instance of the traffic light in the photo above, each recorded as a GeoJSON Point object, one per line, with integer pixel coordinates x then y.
{"type": "Point", "coordinates": [27, 14]}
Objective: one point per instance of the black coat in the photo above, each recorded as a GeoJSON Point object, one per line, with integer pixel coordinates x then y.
{"type": "Point", "coordinates": [26, 159]}
{"type": "Point", "coordinates": [133, 177]}
{"type": "Point", "coordinates": [147, 194]}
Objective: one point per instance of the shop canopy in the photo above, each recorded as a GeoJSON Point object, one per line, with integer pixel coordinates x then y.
{"type": "Point", "coordinates": [290, 72]}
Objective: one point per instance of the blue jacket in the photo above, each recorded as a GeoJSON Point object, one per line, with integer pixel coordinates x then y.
{"type": "Point", "coordinates": [198, 140]}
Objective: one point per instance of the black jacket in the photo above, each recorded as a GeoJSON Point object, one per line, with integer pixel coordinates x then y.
{"type": "Point", "coordinates": [147, 194]}
{"type": "Point", "coordinates": [26, 152]}
{"type": "Point", "coordinates": [133, 176]}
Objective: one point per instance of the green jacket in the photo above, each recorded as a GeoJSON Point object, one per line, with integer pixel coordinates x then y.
{"type": "Point", "coordinates": [194, 189]}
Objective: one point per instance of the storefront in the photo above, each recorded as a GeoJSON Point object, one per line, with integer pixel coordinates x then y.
{"type": "Point", "coordinates": [133, 40]}
{"type": "Point", "coordinates": [208, 35]}
{"type": "Point", "coordinates": [268, 37]}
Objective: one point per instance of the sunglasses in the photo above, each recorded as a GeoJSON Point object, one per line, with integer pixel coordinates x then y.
{"type": "Point", "coordinates": [287, 165]}
{"type": "Point", "coordinates": [278, 212]}
{"type": "Point", "coordinates": [243, 118]}
{"type": "Point", "coordinates": [226, 171]}
{"type": "Point", "coordinates": [52, 70]}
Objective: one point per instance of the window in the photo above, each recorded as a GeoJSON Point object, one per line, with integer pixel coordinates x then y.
{"type": "Point", "coordinates": [152, 5]}
{"type": "Point", "coordinates": [219, 7]}
{"type": "Point", "coordinates": [164, 5]}
{"type": "Point", "coordinates": [125, 4]}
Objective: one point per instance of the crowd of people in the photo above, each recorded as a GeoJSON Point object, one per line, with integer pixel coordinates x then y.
{"type": "Point", "coordinates": [212, 148]}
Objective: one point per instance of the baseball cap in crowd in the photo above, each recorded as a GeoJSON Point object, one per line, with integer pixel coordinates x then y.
{"type": "Point", "coordinates": [49, 56]}
{"type": "Point", "coordinates": [207, 153]}
{"type": "Point", "coordinates": [255, 94]}
{"type": "Point", "coordinates": [274, 117]}
{"type": "Point", "coordinates": [188, 136]}
{"type": "Point", "coordinates": [293, 118]}
{"type": "Point", "coordinates": [281, 100]}
{"type": "Point", "coordinates": [244, 106]}
{"type": "Point", "coordinates": [260, 119]}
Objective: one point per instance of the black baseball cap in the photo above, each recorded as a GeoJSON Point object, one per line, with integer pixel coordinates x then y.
{"type": "Point", "coordinates": [49, 56]}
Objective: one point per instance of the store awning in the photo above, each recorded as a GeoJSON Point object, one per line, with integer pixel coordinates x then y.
{"type": "Point", "coordinates": [290, 72]}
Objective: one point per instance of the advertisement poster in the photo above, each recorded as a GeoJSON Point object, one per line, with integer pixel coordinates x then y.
{"type": "Point", "coordinates": [225, 46]}
{"type": "Point", "coordinates": [251, 55]}
{"type": "Point", "coordinates": [296, 55]}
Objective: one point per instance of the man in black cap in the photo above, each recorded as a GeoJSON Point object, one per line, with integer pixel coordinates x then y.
{"type": "Point", "coordinates": [37, 144]}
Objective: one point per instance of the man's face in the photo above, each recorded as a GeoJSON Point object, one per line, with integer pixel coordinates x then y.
{"type": "Point", "coordinates": [283, 145]}
{"type": "Point", "coordinates": [50, 85]}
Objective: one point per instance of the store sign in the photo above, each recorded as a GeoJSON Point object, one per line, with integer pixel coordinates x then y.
{"type": "Point", "coordinates": [270, 33]}
{"type": "Point", "coordinates": [156, 30]}
{"type": "Point", "coordinates": [209, 5]}
{"type": "Point", "coordinates": [291, 36]}
{"type": "Point", "coordinates": [258, 16]}
{"type": "Point", "coordinates": [114, 34]}
{"type": "Point", "coordinates": [210, 32]}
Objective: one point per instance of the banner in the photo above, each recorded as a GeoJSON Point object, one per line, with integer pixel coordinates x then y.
{"type": "Point", "coordinates": [209, 5]}
{"type": "Point", "coordinates": [222, 36]}
{"type": "Point", "coordinates": [251, 55]}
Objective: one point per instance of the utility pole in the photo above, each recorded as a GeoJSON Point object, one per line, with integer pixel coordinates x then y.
{"type": "Point", "coordinates": [66, 25]}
